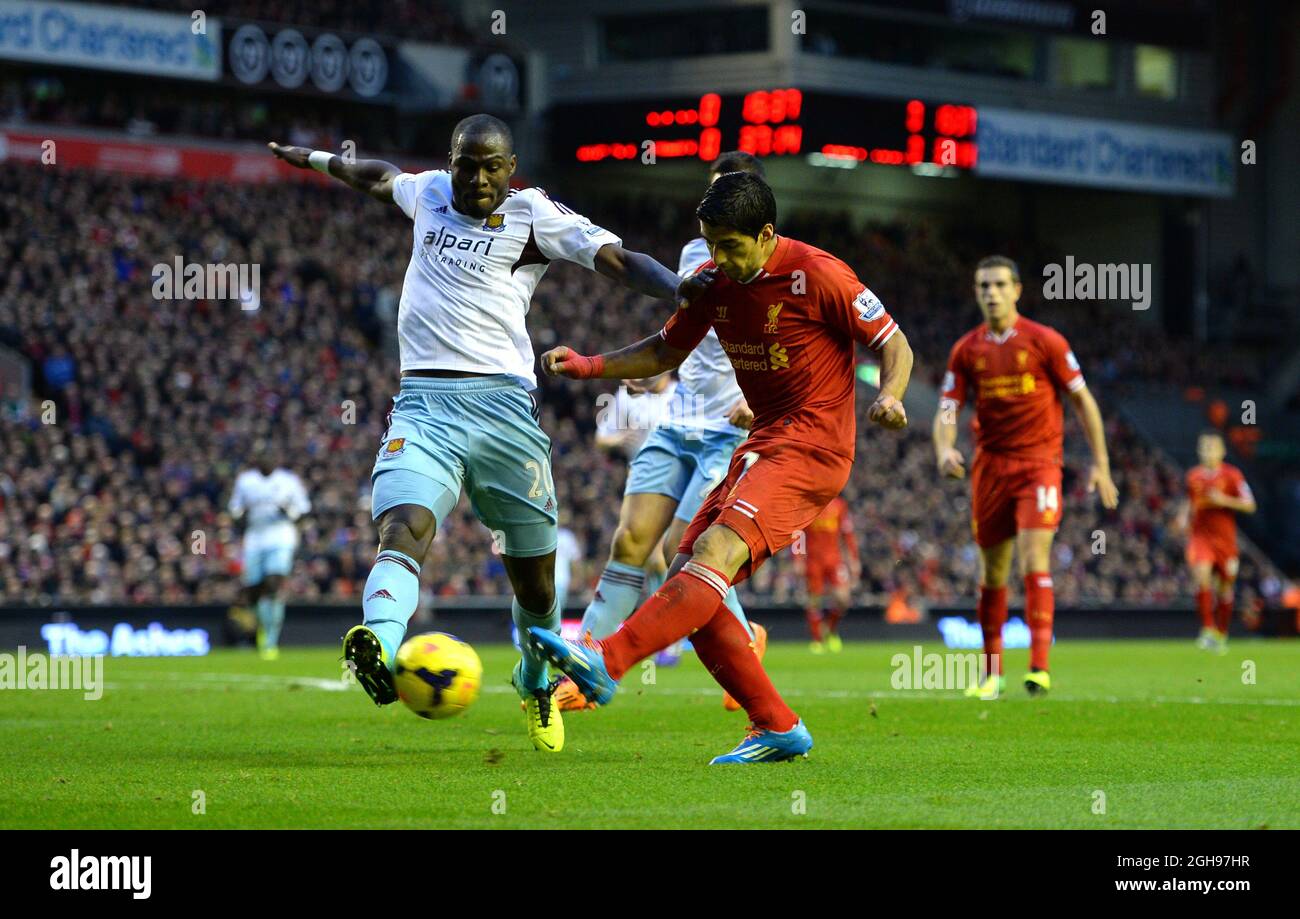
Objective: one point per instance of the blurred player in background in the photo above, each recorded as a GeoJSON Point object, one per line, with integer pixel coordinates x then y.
{"type": "Point", "coordinates": [678, 464]}
{"type": "Point", "coordinates": [1216, 493]}
{"type": "Point", "coordinates": [567, 552]}
{"type": "Point", "coordinates": [269, 500]}
{"type": "Point", "coordinates": [1014, 370]}
{"type": "Point", "coordinates": [829, 572]}
{"type": "Point", "coordinates": [465, 415]}
{"type": "Point", "coordinates": [787, 315]}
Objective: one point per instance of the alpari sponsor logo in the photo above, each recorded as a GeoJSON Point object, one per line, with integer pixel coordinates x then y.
{"type": "Point", "coordinates": [103, 872]}
{"type": "Point", "coordinates": [444, 240]}
{"type": "Point", "coordinates": [443, 247]}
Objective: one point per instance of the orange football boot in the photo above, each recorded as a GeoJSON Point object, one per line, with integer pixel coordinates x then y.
{"type": "Point", "coordinates": [569, 698]}
{"type": "Point", "coordinates": [759, 644]}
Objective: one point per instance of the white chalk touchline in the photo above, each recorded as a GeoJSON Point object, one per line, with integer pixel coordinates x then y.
{"type": "Point", "coordinates": [258, 680]}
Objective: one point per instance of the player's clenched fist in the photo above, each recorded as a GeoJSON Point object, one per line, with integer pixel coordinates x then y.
{"type": "Point", "coordinates": [294, 156]}
{"type": "Point", "coordinates": [565, 362]}
{"type": "Point", "coordinates": [888, 412]}
{"type": "Point", "coordinates": [693, 285]}
{"type": "Point", "coordinates": [952, 464]}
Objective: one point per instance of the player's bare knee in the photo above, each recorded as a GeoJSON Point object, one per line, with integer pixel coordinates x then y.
{"type": "Point", "coordinates": [630, 547]}
{"type": "Point", "coordinates": [721, 549]}
{"type": "Point", "coordinates": [407, 529]}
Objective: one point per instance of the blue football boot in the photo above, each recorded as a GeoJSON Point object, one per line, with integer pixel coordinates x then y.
{"type": "Point", "coordinates": [580, 661]}
{"type": "Point", "coordinates": [769, 746]}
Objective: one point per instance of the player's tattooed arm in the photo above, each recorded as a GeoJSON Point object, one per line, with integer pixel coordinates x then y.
{"type": "Point", "coordinates": [647, 358]}
{"type": "Point", "coordinates": [895, 372]}
{"type": "Point", "coordinates": [1094, 430]}
{"type": "Point", "coordinates": [374, 177]}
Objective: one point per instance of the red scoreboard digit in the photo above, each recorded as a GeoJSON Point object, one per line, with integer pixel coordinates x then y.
{"type": "Point", "coordinates": [782, 121]}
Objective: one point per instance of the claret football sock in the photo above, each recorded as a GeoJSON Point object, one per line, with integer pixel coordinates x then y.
{"type": "Point", "coordinates": [392, 593]}
{"type": "Point", "coordinates": [616, 594]}
{"type": "Point", "coordinates": [1040, 610]}
{"type": "Point", "coordinates": [991, 610]}
{"type": "Point", "coordinates": [725, 650]}
{"type": "Point", "coordinates": [685, 603]}
{"type": "Point", "coordinates": [532, 670]}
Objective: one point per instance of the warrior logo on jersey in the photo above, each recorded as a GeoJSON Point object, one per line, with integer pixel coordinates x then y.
{"type": "Point", "coordinates": [773, 312]}
{"type": "Point", "coordinates": [868, 305]}
{"type": "Point", "coordinates": [495, 223]}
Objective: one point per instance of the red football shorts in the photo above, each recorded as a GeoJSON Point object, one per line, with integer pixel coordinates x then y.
{"type": "Point", "coordinates": [1217, 553]}
{"type": "Point", "coordinates": [1010, 495]}
{"type": "Point", "coordinates": [773, 489]}
{"type": "Point", "coordinates": [821, 572]}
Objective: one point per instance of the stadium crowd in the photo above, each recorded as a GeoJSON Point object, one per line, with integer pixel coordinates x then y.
{"type": "Point", "coordinates": [114, 477]}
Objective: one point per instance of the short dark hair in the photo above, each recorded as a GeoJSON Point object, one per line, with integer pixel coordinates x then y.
{"type": "Point", "coordinates": [483, 125]}
{"type": "Point", "coordinates": [740, 201]}
{"type": "Point", "coordinates": [738, 161]}
{"type": "Point", "coordinates": [1000, 261]}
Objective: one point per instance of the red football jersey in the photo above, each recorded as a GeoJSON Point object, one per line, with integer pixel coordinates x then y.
{"type": "Point", "coordinates": [789, 333]}
{"type": "Point", "coordinates": [1215, 523]}
{"type": "Point", "coordinates": [1015, 380]}
{"type": "Point", "coordinates": [823, 535]}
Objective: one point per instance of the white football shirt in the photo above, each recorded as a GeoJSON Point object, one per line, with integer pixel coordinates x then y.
{"type": "Point", "coordinates": [708, 387]}
{"type": "Point", "coordinates": [271, 504]}
{"type": "Point", "coordinates": [470, 280]}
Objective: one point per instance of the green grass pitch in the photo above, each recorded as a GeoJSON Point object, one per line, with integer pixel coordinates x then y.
{"type": "Point", "coordinates": [1155, 734]}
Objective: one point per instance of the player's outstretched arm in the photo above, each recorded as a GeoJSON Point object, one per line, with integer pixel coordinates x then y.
{"type": "Point", "coordinates": [647, 358]}
{"type": "Point", "coordinates": [1099, 479]}
{"type": "Point", "coordinates": [374, 177]}
{"type": "Point", "coordinates": [638, 271]}
{"type": "Point", "coordinates": [895, 373]}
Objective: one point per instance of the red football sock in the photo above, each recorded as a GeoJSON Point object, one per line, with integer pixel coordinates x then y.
{"type": "Point", "coordinates": [1040, 607]}
{"type": "Point", "coordinates": [814, 618]}
{"type": "Point", "coordinates": [723, 646]}
{"type": "Point", "coordinates": [1223, 618]}
{"type": "Point", "coordinates": [833, 618]}
{"type": "Point", "coordinates": [683, 604]}
{"type": "Point", "coordinates": [991, 610]}
{"type": "Point", "coordinates": [1205, 606]}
